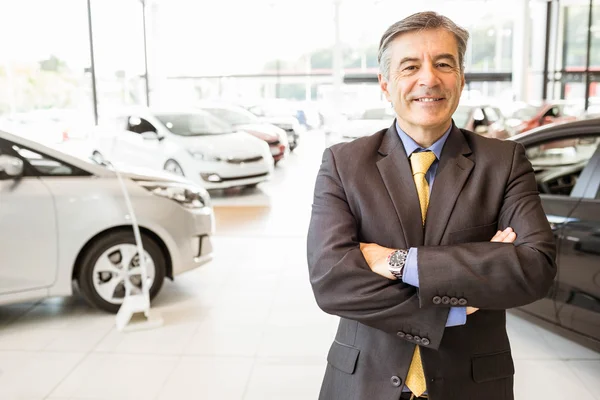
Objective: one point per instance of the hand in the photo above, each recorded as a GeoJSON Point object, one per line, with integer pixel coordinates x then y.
{"type": "Point", "coordinates": [376, 257]}
{"type": "Point", "coordinates": [505, 236]}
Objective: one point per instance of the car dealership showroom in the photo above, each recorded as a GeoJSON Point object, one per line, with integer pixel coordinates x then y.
{"type": "Point", "coordinates": [193, 132]}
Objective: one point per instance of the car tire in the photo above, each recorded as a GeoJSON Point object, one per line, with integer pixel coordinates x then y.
{"type": "Point", "coordinates": [104, 250]}
{"type": "Point", "coordinates": [173, 167]}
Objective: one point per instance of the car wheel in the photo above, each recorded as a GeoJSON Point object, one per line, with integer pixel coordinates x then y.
{"type": "Point", "coordinates": [174, 167]}
{"type": "Point", "coordinates": [110, 260]}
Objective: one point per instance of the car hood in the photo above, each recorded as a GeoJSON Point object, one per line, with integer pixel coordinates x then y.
{"type": "Point", "coordinates": [263, 131]}
{"type": "Point", "coordinates": [282, 122]}
{"type": "Point", "coordinates": [229, 145]}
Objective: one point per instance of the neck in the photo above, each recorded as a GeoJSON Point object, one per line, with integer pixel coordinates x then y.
{"type": "Point", "coordinates": [425, 136]}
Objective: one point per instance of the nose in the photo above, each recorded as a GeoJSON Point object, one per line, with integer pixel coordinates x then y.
{"type": "Point", "coordinates": [428, 75]}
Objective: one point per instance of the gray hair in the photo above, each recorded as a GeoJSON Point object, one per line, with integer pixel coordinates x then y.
{"type": "Point", "coordinates": [417, 22]}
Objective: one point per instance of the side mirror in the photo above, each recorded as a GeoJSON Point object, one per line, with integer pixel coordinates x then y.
{"type": "Point", "coordinates": [150, 135]}
{"type": "Point", "coordinates": [11, 166]}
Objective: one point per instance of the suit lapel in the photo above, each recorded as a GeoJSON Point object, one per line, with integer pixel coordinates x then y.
{"type": "Point", "coordinates": [451, 176]}
{"type": "Point", "coordinates": [397, 177]}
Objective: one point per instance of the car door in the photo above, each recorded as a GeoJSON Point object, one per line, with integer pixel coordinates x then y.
{"type": "Point", "coordinates": [562, 167]}
{"type": "Point", "coordinates": [135, 147]}
{"type": "Point", "coordinates": [28, 249]}
{"type": "Point", "coordinates": [578, 292]}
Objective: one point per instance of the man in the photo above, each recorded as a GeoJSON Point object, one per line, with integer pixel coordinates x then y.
{"type": "Point", "coordinates": [422, 235]}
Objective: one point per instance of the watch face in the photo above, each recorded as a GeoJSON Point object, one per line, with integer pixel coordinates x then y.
{"type": "Point", "coordinates": [398, 258]}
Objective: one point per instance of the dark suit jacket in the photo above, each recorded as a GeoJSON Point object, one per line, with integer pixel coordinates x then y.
{"type": "Point", "coordinates": [365, 193]}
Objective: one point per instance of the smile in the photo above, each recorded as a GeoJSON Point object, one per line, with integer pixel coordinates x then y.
{"type": "Point", "coordinates": [429, 99]}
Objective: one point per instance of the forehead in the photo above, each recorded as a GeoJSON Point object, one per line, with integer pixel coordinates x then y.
{"type": "Point", "coordinates": [424, 43]}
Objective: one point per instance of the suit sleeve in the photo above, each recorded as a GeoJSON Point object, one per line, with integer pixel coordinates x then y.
{"type": "Point", "coordinates": [343, 283]}
{"type": "Point", "coordinates": [497, 275]}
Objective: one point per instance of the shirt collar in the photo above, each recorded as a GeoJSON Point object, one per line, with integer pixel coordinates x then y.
{"type": "Point", "coordinates": [411, 146]}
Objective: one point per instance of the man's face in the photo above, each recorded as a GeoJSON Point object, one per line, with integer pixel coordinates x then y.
{"type": "Point", "coordinates": [425, 80]}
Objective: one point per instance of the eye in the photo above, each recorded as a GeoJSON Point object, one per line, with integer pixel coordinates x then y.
{"type": "Point", "coordinates": [410, 68]}
{"type": "Point", "coordinates": [444, 65]}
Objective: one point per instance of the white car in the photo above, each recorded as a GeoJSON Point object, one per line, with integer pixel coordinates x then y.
{"type": "Point", "coordinates": [364, 123]}
{"type": "Point", "coordinates": [65, 219]}
{"type": "Point", "coordinates": [193, 143]}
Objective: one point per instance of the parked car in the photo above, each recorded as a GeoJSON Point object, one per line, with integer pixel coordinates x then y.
{"type": "Point", "coordinates": [363, 123]}
{"type": "Point", "coordinates": [279, 115]}
{"type": "Point", "coordinates": [242, 119]}
{"type": "Point", "coordinates": [190, 143]}
{"type": "Point", "coordinates": [65, 219]}
{"type": "Point", "coordinates": [566, 161]}
{"type": "Point", "coordinates": [528, 116]}
{"type": "Point", "coordinates": [483, 119]}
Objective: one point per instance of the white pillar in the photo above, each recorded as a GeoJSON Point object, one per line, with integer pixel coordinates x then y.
{"type": "Point", "coordinates": [521, 46]}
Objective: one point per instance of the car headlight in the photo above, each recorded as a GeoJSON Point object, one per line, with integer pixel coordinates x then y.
{"type": "Point", "coordinates": [188, 196]}
{"type": "Point", "coordinates": [198, 155]}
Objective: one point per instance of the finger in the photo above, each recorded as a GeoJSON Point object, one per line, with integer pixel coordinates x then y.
{"type": "Point", "coordinates": [499, 237]}
{"type": "Point", "coordinates": [496, 237]}
{"type": "Point", "coordinates": [511, 237]}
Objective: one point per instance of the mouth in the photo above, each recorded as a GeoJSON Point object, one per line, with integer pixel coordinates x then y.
{"type": "Point", "coordinates": [428, 99]}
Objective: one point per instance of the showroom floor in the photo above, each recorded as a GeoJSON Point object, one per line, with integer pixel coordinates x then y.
{"type": "Point", "coordinates": [245, 326]}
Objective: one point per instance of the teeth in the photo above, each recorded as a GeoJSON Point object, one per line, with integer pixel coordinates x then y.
{"type": "Point", "coordinates": [427, 100]}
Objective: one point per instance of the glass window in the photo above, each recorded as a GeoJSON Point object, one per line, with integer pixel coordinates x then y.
{"type": "Point", "coordinates": [558, 163]}
{"type": "Point", "coordinates": [194, 124]}
{"type": "Point", "coordinates": [47, 166]}
{"type": "Point", "coordinates": [233, 116]}
{"type": "Point", "coordinates": [44, 68]}
{"type": "Point", "coordinates": [140, 125]}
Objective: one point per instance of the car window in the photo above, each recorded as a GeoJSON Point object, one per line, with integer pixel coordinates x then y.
{"type": "Point", "coordinates": [233, 115]}
{"type": "Point", "coordinates": [139, 125]}
{"type": "Point", "coordinates": [195, 124]}
{"type": "Point", "coordinates": [45, 165]}
{"type": "Point", "coordinates": [558, 163]}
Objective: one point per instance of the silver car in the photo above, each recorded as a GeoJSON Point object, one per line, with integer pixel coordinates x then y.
{"type": "Point", "coordinates": [65, 219]}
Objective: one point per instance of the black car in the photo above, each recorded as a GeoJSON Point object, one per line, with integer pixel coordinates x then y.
{"type": "Point", "coordinates": [566, 161]}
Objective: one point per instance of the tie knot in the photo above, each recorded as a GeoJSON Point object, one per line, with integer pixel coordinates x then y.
{"type": "Point", "coordinates": [421, 161]}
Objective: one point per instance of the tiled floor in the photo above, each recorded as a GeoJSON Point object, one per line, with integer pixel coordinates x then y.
{"type": "Point", "coordinates": [246, 326]}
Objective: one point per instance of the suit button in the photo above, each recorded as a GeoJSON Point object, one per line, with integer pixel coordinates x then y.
{"type": "Point", "coordinates": [425, 341]}
{"type": "Point", "coordinates": [400, 334]}
{"type": "Point", "coordinates": [453, 301]}
{"type": "Point", "coordinates": [395, 381]}
{"type": "Point", "coordinates": [417, 339]}
{"type": "Point", "coordinates": [409, 336]}
{"type": "Point", "coordinates": [445, 300]}
{"type": "Point", "coordinates": [437, 300]}
{"type": "Point", "coordinates": [462, 302]}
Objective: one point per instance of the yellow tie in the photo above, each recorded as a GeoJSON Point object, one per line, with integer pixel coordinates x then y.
{"type": "Point", "coordinates": [420, 163]}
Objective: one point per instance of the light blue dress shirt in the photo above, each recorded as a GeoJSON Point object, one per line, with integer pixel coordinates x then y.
{"type": "Point", "coordinates": [458, 315]}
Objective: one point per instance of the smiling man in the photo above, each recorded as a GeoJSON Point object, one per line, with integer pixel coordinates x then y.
{"type": "Point", "coordinates": [423, 234]}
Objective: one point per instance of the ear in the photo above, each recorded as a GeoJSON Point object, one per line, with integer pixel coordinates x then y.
{"type": "Point", "coordinates": [462, 81]}
{"type": "Point", "coordinates": [383, 84]}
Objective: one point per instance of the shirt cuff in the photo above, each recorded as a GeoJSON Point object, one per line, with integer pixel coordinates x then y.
{"type": "Point", "coordinates": [410, 275]}
{"type": "Point", "coordinates": [457, 316]}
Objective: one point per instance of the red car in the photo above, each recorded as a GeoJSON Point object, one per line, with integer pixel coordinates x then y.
{"type": "Point", "coordinates": [529, 116]}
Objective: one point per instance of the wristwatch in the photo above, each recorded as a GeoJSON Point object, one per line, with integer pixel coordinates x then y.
{"type": "Point", "coordinates": [396, 261]}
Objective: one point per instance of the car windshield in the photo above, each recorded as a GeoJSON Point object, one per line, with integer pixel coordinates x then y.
{"type": "Point", "coordinates": [233, 116]}
{"type": "Point", "coordinates": [562, 152]}
{"type": "Point", "coordinates": [194, 124]}
{"type": "Point", "coordinates": [461, 116]}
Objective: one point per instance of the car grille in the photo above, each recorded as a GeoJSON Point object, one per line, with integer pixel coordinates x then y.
{"type": "Point", "coordinates": [244, 160]}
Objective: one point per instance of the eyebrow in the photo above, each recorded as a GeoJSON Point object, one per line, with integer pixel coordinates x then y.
{"type": "Point", "coordinates": [436, 58]}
